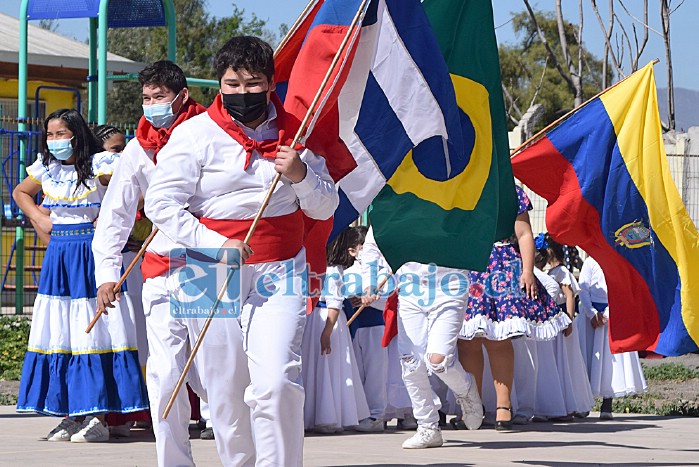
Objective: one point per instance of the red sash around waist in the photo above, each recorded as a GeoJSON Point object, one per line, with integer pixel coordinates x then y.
{"type": "Point", "coordinates": [275, 239]}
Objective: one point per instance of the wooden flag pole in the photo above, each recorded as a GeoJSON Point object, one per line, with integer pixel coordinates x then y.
{"type": "Point", "coordinates": [559, 120]}
{"type": "Point", "coordinates": [118, 285]}
{"type": "Point", "coordinates": [361, 308]}
{"type": "Point", "coordinates": [265, 202]}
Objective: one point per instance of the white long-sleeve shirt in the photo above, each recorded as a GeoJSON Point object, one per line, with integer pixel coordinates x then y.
{"type": "Point", "coordinates": [118, 213]}
{"type": "Point", "coordinates": [593, 287]}
{"type": "Point", "coordinates": [211, 180]}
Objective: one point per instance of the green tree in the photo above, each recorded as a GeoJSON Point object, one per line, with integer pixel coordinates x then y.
{"type": "Point", "coordinates": [528, 75]}
{"type": "Point", "coordinates": [199, 36]}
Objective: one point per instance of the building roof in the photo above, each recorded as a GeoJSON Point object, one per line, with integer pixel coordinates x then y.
{"type": "Point", "coordinates": [50, 49]}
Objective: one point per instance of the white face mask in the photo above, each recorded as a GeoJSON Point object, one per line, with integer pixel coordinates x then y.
{"type": "Point", "coordinates": [61, 149]}
{"type": "Point", "coordinates": [160, 115]}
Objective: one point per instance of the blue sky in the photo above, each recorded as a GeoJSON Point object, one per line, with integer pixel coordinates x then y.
{"type": "Point", "coordinates": [685, 30]}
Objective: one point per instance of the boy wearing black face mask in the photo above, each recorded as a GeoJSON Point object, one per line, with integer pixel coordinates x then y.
{"type": "Point", "coordinates": [166, 104]}
{"type": "Point", "coordinates": [226, 161]}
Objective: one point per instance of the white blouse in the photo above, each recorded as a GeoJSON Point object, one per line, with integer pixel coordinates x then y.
{"type": "Point", "coordinates": [69, 202]}
{"type": "Point", "coordinates": [563, 276]}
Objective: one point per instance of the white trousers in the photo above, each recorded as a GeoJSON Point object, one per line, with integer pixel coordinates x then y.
{"type": "Point", "coordinates": [252, 368]}
{"type": "Point", "coordinates": [169, 340]}
{"type": "Point", "coordinates": [134, 286]}
{"type": "Point", "coordinates": [423, 331]}
{"type": "Point", "coordinates": [372, 360]}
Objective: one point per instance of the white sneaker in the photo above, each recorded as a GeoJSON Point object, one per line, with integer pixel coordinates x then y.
{"type": "Point", "coordinates": [369, 425]}
{"type": "Point", "coordinates": [471, 406]}
{"type": "Point", "coordinates": [121, 431]}
{"type": "Point", "coordinates": [91, 431]}
{"type": "Point", "coordinates": [424, 438]}
{"type": "Point", "coordinates": [64, 430]}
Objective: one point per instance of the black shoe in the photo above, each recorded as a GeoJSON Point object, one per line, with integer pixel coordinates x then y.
{"type": "Point", "coordinates": [442, 419]}
{"type": "Point", "coordinates": [504, 425]}
{"type": "Point", "coordinates": [457, 424]}
{"type": "Point", "coordinates": [207, 433]}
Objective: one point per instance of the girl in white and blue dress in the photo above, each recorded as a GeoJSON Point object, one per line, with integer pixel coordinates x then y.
{"type": "Point", "coordinates": [334, 394]}
{"type": "Point", "coordinates": [611, 375]}
{"type": "Point", "coordinates": [571, 366]}
{"type": "Point", "coordinates": [67, 372]}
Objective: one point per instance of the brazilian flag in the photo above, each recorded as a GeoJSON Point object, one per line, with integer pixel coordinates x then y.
{"type": "Point", "coordinates": [453, 195]}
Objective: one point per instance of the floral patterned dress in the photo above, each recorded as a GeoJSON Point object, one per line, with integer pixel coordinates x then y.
{"type": "Point", "coordinates": [497, 307]}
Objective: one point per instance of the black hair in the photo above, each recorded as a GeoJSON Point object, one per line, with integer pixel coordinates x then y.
{"type": "Point", "coordinates": [338, 249]}
{"type": "Point", "coordinates": [104, 132]}
{"type": "Point", "coordinates": [163, 73]}
{"type": "Point", "coordinates": [555, 250]}
{"type": "Point", "coordinates": [84, 143]}
{"type": "Point", "coordinates": [541, 258]}
{"type": "Point", "coordinates": [245, 52]}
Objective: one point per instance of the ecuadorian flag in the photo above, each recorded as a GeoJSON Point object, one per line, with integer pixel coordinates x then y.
{"type": "Point", "coordinates": [606, 177]}
{"type": "Point", "coordinates": [428, 135]}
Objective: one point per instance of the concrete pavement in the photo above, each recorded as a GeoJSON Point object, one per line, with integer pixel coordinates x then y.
{"type": "Point", "coordinates": [628, 440]}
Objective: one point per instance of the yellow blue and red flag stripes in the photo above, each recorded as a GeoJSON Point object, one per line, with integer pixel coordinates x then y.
{"type": "Point", "coordinates": [606, 177]}
{"type": "Point", "coordinates": [424, 140]}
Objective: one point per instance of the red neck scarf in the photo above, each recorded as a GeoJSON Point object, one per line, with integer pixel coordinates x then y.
{"type": "Point", "coordinates": [155, 138]}
{"type": "Point", "coordinates": [266, 148]}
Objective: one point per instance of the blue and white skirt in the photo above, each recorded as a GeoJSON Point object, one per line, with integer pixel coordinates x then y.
{"type": "Point", "coordinates": [67, 371]}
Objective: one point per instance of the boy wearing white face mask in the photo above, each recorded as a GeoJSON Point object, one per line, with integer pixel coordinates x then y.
{"type": "Point", "coordinates": [166, 104]}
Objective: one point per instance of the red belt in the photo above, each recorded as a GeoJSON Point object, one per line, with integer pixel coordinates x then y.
{"type": "Point", "coordinates": [276, 239]}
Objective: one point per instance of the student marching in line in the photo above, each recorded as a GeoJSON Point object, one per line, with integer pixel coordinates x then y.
{"type": "Point", "coordinates": [66, 371]}
{"type": "Point", "coordinates": [166, 105]}
{"type": "Point", "coordinates": [505, 302]}
{"type": "Point", "coordinates": [571, 365]}
{"type": "Point", "coordinates": [379, 361]}
{"type": "Point", "coordinates": [429, 320]}
{"type": "Point", "coordinates": [611, 375]}
{"type": "Point", "coordinates": [114, 141]}
{"type": "Point", "coordinates": [226, 160]}
{"type": "Point", "coordinates": [331, 379]}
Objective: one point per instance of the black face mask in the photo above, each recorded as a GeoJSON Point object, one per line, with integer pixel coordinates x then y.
{"type": "Point", "coordinates": [245, 107]}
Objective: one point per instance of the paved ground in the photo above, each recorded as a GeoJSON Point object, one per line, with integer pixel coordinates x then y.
{"type": "Point", "coordinates": [633, 440]}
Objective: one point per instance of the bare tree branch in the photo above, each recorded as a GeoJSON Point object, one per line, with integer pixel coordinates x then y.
{"type": "Point", "coordinates": [643, 23]}
{"type": "Point", "coordinates": [513, 105]}
{"type": "Point", "coordinates": [665, 16]}
{"type": "Point", "coordinates": [625, 36]}
{"type": "Point", "coordinates": [574, 74]}
{"type": "Point", "coordinates": [542, 38]}
{"type": "Point", "coordinates": [678, 6]}
{"type": "Point", "coordinates": [608, 36]}
{"type": "Point", "coordinates": [538, 86]}
{"type": "Point", "coordinates": [642, 45]}
{"type": "Point", "coordinates": [580, 47]}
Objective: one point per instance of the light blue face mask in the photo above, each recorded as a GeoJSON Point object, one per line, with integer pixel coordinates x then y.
{"type": "Point", "coordinates": [61, 149]}
{"type": "Point", "coordinates": [160, 115]}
